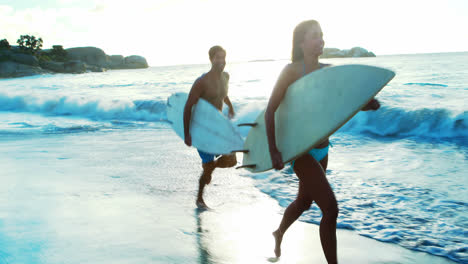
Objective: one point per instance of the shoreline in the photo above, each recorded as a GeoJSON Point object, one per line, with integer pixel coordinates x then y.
{"type": "Point", "coordinates": [138, 206]}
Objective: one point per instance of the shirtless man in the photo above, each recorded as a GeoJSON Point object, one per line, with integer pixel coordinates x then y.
{"type": "Point", "coordinates": [213, 87]}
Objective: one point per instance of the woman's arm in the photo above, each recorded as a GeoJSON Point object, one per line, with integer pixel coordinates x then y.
{"type": "Point", "coordinates": [372, 105]}
{"type": "Point", "coordinates": [286, 78]}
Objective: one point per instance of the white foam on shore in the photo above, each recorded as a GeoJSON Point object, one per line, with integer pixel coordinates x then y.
{"type": "Point", "coordinates": [128, 197]}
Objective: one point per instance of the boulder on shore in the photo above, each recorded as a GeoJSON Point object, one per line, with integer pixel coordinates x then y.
{"type": "Point", "coordinates": [74, 66]}
{"type": "Point", "coordinates": [54, 66]}
{"type": "Point", "coordinates": [88, 55]}
{"type": "Point", "coordinates": [135, 62]}
{"type": "Point", "coordinates": [93, 68]}
{"type": "Point", "coordinates": [116, 61]}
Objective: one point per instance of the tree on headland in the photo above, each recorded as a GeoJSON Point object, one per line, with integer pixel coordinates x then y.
{"type": "Point", "coordinates": [58, 53]}
{"type": "Point", "coordinates": [29, 44]}
{"type": "Point", "coordinates": [4, 44]}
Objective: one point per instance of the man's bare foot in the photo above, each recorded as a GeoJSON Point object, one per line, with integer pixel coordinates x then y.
{"type": "Point", "coordinates": [201, 205]}
{"type": "Point", "coordinates": [278, 238]}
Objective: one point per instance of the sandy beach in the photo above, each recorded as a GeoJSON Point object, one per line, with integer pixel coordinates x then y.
{"type": "Point", "coordinates": [80, 199]}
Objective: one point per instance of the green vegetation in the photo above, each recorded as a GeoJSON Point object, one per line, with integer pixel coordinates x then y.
{"type": "Point", "coordinates": [32, 45]}
{"type": "Point", "coordinates": [29, 44]}
{"type": "Point", "coordinates": [4, 44]}
{"type": "Point", "coordinates": [43, 57]}
{"type": "Point", "coordinates": [58, 53]}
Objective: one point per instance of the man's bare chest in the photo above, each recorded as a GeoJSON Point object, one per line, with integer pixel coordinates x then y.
{"type": "Point", "coordinates": [215, 91]}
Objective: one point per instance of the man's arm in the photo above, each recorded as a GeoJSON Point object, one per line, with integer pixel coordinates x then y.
{"type": "Point", "coordinates": [231, 109]}
{"type": "Point", "coordinates": [226, 99]}
{"type": "Point", "coordinates": [194, 95]}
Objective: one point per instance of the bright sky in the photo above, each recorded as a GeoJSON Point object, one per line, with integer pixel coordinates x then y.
{"type": "Point", "coordinates": [170, 32]}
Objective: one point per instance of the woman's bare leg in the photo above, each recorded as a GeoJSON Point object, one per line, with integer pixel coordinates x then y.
{"type": "Point", "coordinates": [311, 175]}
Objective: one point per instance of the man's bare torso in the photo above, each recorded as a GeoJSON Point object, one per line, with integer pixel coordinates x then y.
{"type": "Point", "coordinates": [215, 89]}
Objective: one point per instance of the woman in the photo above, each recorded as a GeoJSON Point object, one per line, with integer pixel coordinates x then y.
{"type": "Point", "coordinates": [311, 167]}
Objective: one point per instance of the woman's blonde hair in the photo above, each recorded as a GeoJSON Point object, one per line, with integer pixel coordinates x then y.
{"type": "Point", "coordinates": [298, 38]}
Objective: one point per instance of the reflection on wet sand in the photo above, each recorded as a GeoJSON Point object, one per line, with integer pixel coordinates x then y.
{"type": "Point", "coordinates": [204, 256]}
{"type": "Point", "coordinates": [238, 233]}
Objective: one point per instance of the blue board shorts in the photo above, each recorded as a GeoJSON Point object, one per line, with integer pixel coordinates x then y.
{"type": "Point", "coordinates": [207, 157]}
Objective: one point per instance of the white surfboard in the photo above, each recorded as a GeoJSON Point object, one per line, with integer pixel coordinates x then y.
{"type": "Point", "coordinates": [211, 131]}
{"type": "Point", "coordinates": [313, 108]}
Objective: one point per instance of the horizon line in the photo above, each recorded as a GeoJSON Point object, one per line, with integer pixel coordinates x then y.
{"type": "Point", "coordinates": [287, 59]}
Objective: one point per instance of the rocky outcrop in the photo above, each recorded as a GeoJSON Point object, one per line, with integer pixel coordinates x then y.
{"type": "Point", "coordinates": [11, 69]}
{"type": "Point", "coordinates": [135, 62]}
{"type": "Point", "coordinates": [53, 66]}
{"type": "Point", "coordinates": [116, 61]}
{"type": "Point", "coordinates": [89, 55]}
{"type": "Point", "coordinates": [354, 52]}
{"type": "Point", "coordinates": [92, 68]}
{"type": "Point", "coordinates": [97, 57]}
{"type": "Point", "coordinates": [75, 66]}
{"type": "Point", "coordinates": [25, 59]}
{"type": "Point", "coordinates": [21, 58]}
{"type": "Point", "coordinates": [16, 63]}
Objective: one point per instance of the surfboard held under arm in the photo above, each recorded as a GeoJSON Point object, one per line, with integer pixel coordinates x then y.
{"type": "Point", "coordinates": [313, 108]}
{"type": "Point", "coordinates": [211, 131]}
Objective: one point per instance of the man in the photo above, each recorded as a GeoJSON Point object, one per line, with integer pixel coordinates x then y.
{"type": "Point", "coordinates": [213, 87]}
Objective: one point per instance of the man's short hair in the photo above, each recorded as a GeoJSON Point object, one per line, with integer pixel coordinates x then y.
{"type": "Point", "coordinates": [213, 50]}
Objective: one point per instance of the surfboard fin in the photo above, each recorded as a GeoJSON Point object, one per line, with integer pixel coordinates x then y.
{"type": "Point", "coordinates": [248, 124]}
{"type": "Point", "coordinates": [250, 166]}
{"type": "Point", "coordinates": [242, 150]}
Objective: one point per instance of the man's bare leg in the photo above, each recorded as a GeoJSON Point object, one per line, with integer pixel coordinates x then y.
{"type": "Point", "coordinates": [225, 161]}
{"type": "Point", "coordinates": [205, 179]}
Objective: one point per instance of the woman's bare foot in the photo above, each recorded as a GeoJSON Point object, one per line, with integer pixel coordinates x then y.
{"type": "Point", "coordinates": [278, 238]}
{"type": "Point", "coordinates": [201, 205]}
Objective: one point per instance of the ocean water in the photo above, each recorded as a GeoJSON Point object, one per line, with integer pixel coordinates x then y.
{"type": "Point", "coordinates": [399, 173]}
